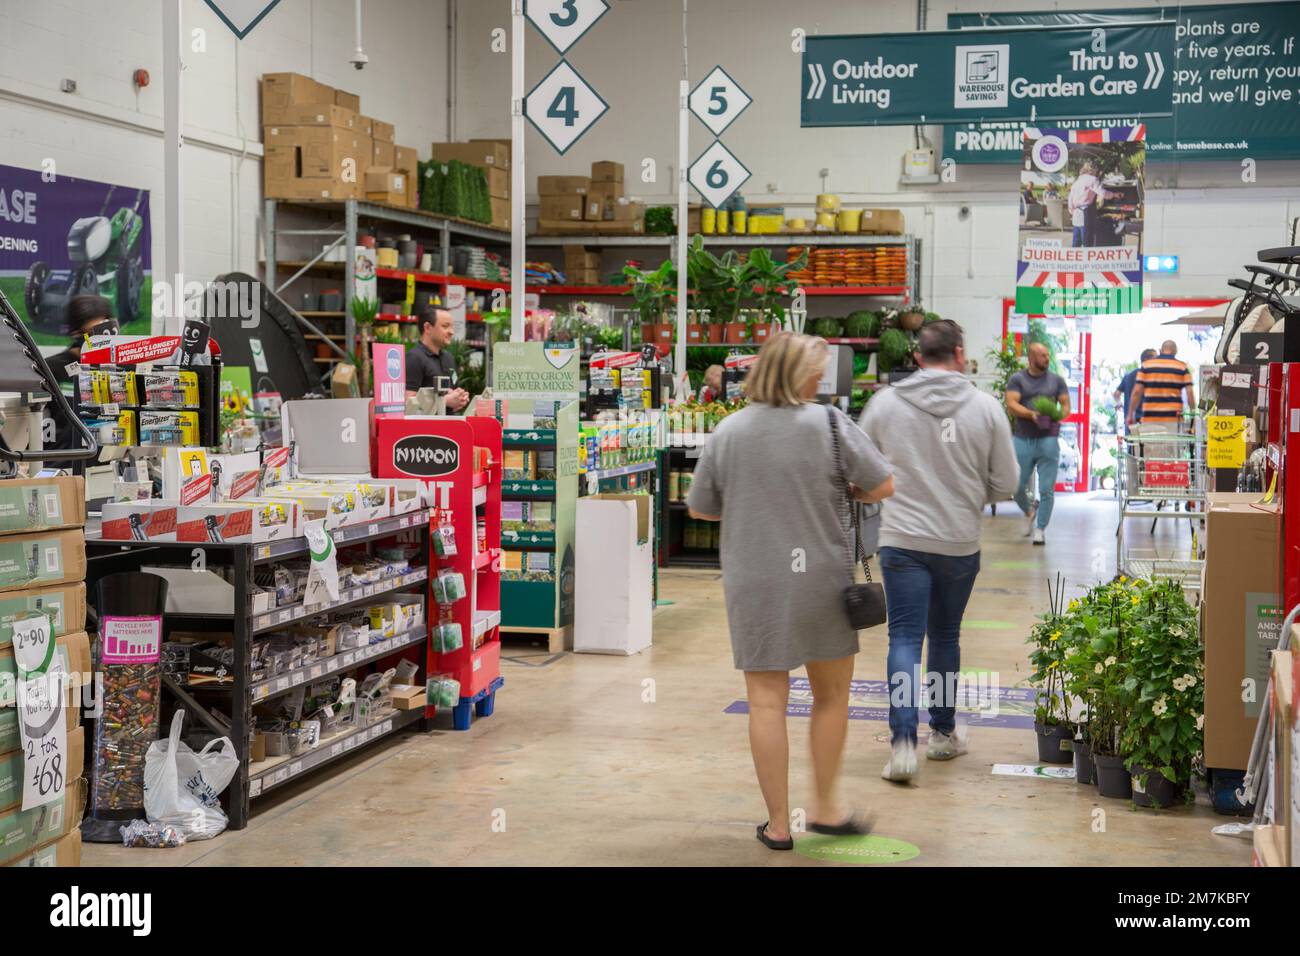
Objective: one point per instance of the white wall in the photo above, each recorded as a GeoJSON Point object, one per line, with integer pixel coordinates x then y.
{"type": "Point", "coordinates": [108, 131]}
{"type": "Point", "coordinates": [633, 59]}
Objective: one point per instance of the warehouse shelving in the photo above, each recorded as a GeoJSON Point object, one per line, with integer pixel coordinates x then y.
{"type": "Point", "coordinates": [241, 693]}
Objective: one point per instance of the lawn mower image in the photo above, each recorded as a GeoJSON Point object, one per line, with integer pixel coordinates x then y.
{"type": "Point", "coordinates": [106, 260]}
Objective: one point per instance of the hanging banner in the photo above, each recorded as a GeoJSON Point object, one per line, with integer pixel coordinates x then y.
{"type": "Point", "coordinates": [1081, 221]}
{"type": "Point", "coordinates": [61, 237]}
{"type": "Point", "coordinates": [1236, 77]}
{"type": "Point", "coordinates": [960, 76]}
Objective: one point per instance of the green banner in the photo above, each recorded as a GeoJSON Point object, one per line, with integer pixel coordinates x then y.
{"type": "Point", "coordinates": [530, 367]}
{"type": "Point", "coordinates": [1029, 73]}
{"type": "Point", "coordinates": [1236, 76]}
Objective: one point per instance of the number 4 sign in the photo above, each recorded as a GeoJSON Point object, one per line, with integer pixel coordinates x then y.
{"type": "Point", "coordinates": [717, 174]}
{"type": "Point", "coordinates": [563, 106]}
{"type": "Point", "coordinates": [563, 22]}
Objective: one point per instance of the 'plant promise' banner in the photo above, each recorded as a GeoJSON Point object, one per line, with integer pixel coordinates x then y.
{"type": "Point", "coordinates": [61, 237]}
{"type": "Point", "coordinates": [1236, 83]}
{"type": "Point", "coordinates": [1081, 209]}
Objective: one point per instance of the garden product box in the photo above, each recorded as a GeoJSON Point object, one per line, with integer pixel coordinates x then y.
{"type": "Point", "coordinates": [12, 763]}
{"type": "Point", "coordinates": [606, 171]}
{"type": "Point", "coordinates": [1239, 622]}
{"type": "Point", "coordinates": [41, 559]}
{"type": "Point", "coordinates": [22, 831]}
{"type": "Point", "coordinates": [478, 153]}
{"type": "Point", "coordinates": [152, 520]}
{"type": "Point", "coordinates": [237, 522]}
{"type": "Point", "coordinates": [561, 207]}
{"type": "Point", "coordinates": [33, 504]}
{"type": "Point", "coordinates": [501, 146]}
{"type": "Point", "coordinates": [65, 604]}
{"type": "Point", "coordinates": [614, 577]}
{"type": "Point", "coordinates": [383, 184]}
{"type": "Point", "coordinates": [312, 114]}
{"type": "Point", "coordinates": [65, 851]}
{"type": "Point", "coordinates": [382, 154]}
{"type": "Point", "coordinates": [882, 222]}
{"type": "Point", "coordinates": [74, 652]}
{"type": "Point", "coordinates": [563, 185]}
{"type": "Point", "coordinates": [283, 89]}
{"type": "Point", "coordinates": [347, 100]}
{"type": "Point", "coordinates": [404, 494]}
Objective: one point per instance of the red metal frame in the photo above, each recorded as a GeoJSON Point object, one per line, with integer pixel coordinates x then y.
{"type": "Point", "coordinates": [1283, 425]}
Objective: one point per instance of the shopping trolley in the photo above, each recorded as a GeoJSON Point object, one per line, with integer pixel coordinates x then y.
{"type": "Point", "coordinates": [1161, 476]}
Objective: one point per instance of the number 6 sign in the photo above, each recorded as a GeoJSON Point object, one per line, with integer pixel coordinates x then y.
{"type": "Point", "coordinates": [563, 106]}
{"type": "Point", "coordinates": [717, 174]}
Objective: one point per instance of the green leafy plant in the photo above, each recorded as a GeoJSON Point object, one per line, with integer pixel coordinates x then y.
{"type": "Point", "coordinates": [364, 311]}
{"type": "Point", "coordinates": [1005, 364]}
{"type": "Point", "coordinates": [863, 324]}
{"type": "Point", "coordinates": [1049, 407]}
{"type": "Point", "coordinates": [652, 289]}
{"type": "Point", "coordinates": [895, 349]}
{"type": "Point", "coordinates": [659, 221]}
{"type": "Point", "coordinates": [769, 280]}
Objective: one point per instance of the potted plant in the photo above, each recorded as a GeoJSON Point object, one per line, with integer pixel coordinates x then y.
{"type": "Point", "coordinates": [652, 291]}
{"type": "Point", "coordinates": [911, 318]}
{"type": "Point", "coordinates": [1162, 736]}
{"type": "Point", "coordinates": [1051, 708]}
{"type": "Point", "coordinates": [695, 334]}
{"type": "Point", "coordinates": [718, 283]}
{"type": "Point", "coordinates": [364, 312]}
{"type": "Point", "coordinates": [770, 283]}
{"type": "Point", "coordinates": [1111, 605]}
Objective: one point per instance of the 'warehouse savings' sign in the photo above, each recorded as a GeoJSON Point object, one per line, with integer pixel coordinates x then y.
{"type": "Point", "coordinates": [958, 76]}
{"type": "Point", "coordinates": [1236, 76]}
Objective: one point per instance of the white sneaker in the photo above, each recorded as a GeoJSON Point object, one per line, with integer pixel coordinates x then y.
{"type": "Point", "coordinates": [946, 746]}
{"type": "Point", "coordinates": [1038, 536]}
{"type": "Point", "coordinates": [1029, 518]}
{"type": "Point", "coordinates": [902, 764]}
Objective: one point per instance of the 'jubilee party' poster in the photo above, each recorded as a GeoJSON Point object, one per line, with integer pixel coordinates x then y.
{"type": "Point", "coordinates": [1081, 211]}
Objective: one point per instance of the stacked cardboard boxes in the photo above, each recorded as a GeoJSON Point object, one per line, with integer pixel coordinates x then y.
{"type": "Point", "coordinates": [42, 574]}
{"type": "Point", "coordinates": [493, 157]}
{"type": "Point", "coordinates": [318, 145]}
{"type": "Point", "coordinates": [574, 205]}
{"type": "Point", "coordinates": [581, 265]}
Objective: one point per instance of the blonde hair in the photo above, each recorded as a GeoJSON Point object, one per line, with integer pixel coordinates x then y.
{"type": "Point", "coordinates": [785, 363]}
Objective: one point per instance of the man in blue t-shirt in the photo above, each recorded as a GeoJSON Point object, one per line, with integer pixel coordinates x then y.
{"type": "Point", "coordinates": [1125, 390]}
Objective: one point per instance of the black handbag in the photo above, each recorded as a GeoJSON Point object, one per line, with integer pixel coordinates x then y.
{"type": "Point", "coordinates": [865, 603]}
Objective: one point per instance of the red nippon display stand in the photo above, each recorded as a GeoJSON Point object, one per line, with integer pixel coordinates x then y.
{"type": "Point", "coordinates": [460, 460]}
{"type": "Point", "coordinates": [1283, 472]}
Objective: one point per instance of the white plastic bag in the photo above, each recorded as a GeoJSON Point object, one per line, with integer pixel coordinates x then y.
{"type": "Point", "coordinates": [181, 787]}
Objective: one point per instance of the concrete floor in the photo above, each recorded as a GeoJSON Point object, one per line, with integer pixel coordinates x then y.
{"type": "Point", "coordinates": [595, 760]}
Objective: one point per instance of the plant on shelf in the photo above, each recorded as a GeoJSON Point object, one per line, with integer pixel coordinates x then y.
{"type": "Point", "coordinates": [769, 280]}
{"type": "Point", "coordinates": [862, 324]}
{"type": "Point", "coordinates": [652, 290]}
{"type": "Point", "coordinates": [896, 349]}
{"type": "Point", "coordinates": [718, 283]}
{"type": "Point", "coordinates": [364, 312]}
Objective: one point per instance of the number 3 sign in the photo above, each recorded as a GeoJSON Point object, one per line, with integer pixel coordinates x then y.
{"type": "Point", "coordinates": [563, 22]}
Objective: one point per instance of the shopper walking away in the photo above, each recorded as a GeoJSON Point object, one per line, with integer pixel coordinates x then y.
{"type": "Point", "coordinates": [768, 474]}
{"type": "Point", "coordinates": [1160, 387]}
{"type": "Point", "coordinates": [429, 365]}
{"type": "Point", "coordinates": [1035, 437]}
{"type": "Point", "coordinates": [1124, 391]}
{"type": "Point", "coordinates": [951, 450]}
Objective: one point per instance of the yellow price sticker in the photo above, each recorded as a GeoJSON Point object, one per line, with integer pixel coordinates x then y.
{"type": "Point", "coordinates": [410, 291]}
{"type": "Point", "coordinates": [1227, 441]}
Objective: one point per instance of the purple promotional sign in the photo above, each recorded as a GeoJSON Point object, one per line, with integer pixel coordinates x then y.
{"type": "Point", "coordinates": [61, 237]}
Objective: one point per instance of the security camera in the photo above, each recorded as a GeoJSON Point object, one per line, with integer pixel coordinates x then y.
{"type": "Point", "coordinates": [963, 213]}
{"type": "Point", "coordinates": [359, 59]}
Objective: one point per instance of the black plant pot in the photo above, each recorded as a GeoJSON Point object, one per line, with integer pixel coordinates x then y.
{"type": "Point", "coordinates": [1055, 743]}
{"type": "Point", "coordinates": [1113, 780]}
{"type": "Point", "coordinates": [1151, 788]}
{"type": "Point", "coordinates": [1085, 769]}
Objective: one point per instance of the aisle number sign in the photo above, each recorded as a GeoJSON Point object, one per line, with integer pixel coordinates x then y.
{"type": "Point", "coordinates": [563, 106]}
{"type": "Point", "coordinates": [241, 15]}
{"type": "Point", "coordinates": [718, 100]}
{"type": "Point", "coordinates": [1227, 441]}
{"type": "Point", "coordinates": [717, 174]}
{"type": "Point", "coordinates": [563, 22]}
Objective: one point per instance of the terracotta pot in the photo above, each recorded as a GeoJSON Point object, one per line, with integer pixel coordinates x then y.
{"type": "Point", "coordinates": [647, 332]}
{"type": "Point", "coordinates": [323, 350]}
{"type": "Point", "coordinates": [694, 333]}
{"type": "Point", "coordinates": [714, 333]}
{"type": "Point", "coordinates": [664, 333]}
{"type": "Point", "coordinates": [761, 333]}
{"type": "Point", "coordinates": [911, 321]}
{"type": "Point", "coordinates": [737, 333]}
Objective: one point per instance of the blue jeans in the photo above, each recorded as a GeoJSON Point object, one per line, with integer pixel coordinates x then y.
{"type": "Point", "coordinates": [1045, 455]}
{"type": "Point", "coordinates": [925, 594]}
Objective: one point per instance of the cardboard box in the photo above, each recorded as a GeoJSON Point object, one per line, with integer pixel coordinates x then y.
{"type": "Point", "coordinates": [606, 171]}
{"type": "Point", "coordinates": [343, 381]}
{"type": "Point", "coordinates": [565, 227]}
{"type": "Point", "coordinates": [152, 520]}
{"type": "Point", "coordinates": [312, 152]}
{"type": "Point", "coordinates": [500, 213]}
{"type": "Point", "coordinates": [408, 696]}
{"type": "Point", "coordinates": [22, 831]}
{"type": "Point", "coordinates": [33, 504]}
{"type": "Point", "coordinates": [406, 159]}
{"type": "Point", "coordinates": [625, 210]}
{"type": "Point", "coordinates": [12, 763]}
{"type": "Point", "coordinates": [554, 208]}
{"type": "Point", "coordinates": [612, 228]}
{"type": "Point", "coordinates": [383, 184]}
{"type": "Point", "coordinates": [283, 89]}
{"type": "Point", "coordinates": [602, 198]}
{"type": "Point", "coordinates": [383, 155]}
{"type": "Point", "coordinates": [882, 222]}
{"type": "Point", "coordinates": [331, 189]}
{"type": "Point", "coordinates": [477, 153]}
{"type": "Point", "coordinates": [1282, 743]}
{"type": "Point", "coordinates": [582, 276]}
{"type": "Point", "coordinates": [382, 132]}
{"type": "Point", "coordinates": [614, 574]}
{"type": "Point", "coordinates": [65, 851]}
{"type": "Point", "coordinates": [498, 181]}
{"type": "Point", "coordinates": [64, 603]}
{"type": "Point", "coordinates": [347, 100]}
{"type": "Point", "coordinates": [1240, 621]}
{"type": "Point", "coordinates": [257, 749]}
{"type": "Point", "coordinates": [238, 521]}
{"type": "Point", "coordinates": [577, 258]}
{"type": "Point", "coordinates": [312, 114]}
{"type": "Point", "coordinates": [365, 151]}
{"type": "Point", "coordinates": [501, 148]}
{"type": "Point", "coordinates": [74, 652]}
{"type": "Point", "coordinates": [42, 559]}
{"type": "Point", "coordinates": [563, 185]}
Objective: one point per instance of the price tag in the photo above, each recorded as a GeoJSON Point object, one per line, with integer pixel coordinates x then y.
{"type": "Point", "coordinates": [1227, 442]}
{"type": "Point", "coordinates": [109, 410]}
{"type": "Point", "coordinates": [264, 551]}
{"type": "Point", "coordinates": [282, 684]}
{"type": "Point", "coordinates": [323, 573]}
{"type": "Point", "coordinates": [254, 787]}
{"type": "Point", "coordinates": [295, 768]}
{"type": "Point", "coordinates": [336, 749]}
{"type": "Point", "coordinates": [298, 678]}
{"type": "Point", "coordinates": [349, 658]}
{"type": "Point", "coordinates": [373, 530]}
{"type": "Point", "coordinates": [43, 731]}
{"type": "Point", "coordinates": [317, 670]}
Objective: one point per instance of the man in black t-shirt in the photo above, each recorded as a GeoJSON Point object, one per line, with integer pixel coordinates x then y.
{"type": "Point", "coordinates": [1035, 436]}
{"type": "Point", "coordinates": [429, 365]}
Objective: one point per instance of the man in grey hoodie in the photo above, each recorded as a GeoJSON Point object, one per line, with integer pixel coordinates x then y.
{"type": "Point", "coordinates": [952, 453]}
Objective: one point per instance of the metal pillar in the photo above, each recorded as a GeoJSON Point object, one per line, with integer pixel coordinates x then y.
{"type": "Point", "coordinates": [173, 265]}
{"type": "Point", "coordinates": [349, 278]}
{"type": "Point", "coordinates": [517, 34]}
{"type": "Point", "coordinates": [683, 208]}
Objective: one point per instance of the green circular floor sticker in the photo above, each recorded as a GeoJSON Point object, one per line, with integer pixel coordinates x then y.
{"type": "Point", "coordinates": [856, 849]}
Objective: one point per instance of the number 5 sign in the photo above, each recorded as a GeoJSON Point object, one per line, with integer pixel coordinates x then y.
{"type": "Point", "coordinates": [718, 100]}
{"type": "Point", "coordinates": [717, 174]}
{"type": "Point", "coordinates": [563, 22]}
{"type": "Point", "coordinates": [563, 106]}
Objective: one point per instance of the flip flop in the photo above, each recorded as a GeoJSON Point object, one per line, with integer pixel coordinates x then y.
{"type": "Point", "coordinates": [855, 825]}
{"type": "Point", "coordinates": [770, 842]}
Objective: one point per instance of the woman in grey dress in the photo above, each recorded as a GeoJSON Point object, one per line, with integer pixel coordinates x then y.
{"type": "Point", "coordinates": [768, 474]}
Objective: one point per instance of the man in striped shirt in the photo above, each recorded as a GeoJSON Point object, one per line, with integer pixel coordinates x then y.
{"type": "Point", "coordinates": [1161, 382]}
